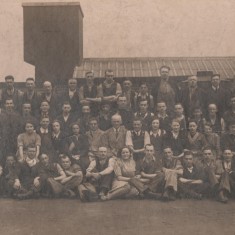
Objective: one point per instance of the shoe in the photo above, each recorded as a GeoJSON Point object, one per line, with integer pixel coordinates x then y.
{"type": "Point", "coordinates": [153, 195]}
{"type": "Point", "coordinates": [24, 196]}
{"type": "Point", "coordinates": [222, 198]}
{"type": "Point", "coordinates": [165, 196]}
{"type": "Point", "coordinates": [69, 194]}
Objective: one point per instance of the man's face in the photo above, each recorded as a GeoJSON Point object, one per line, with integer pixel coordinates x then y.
{"type": "Point", "coordinates": [232, 101]}
{"type": "Point", "coordinates": [9, 105]}
{"type": "Point", "coordinates": [44, 159]}
{"type": "Point", "coordinates": [10, 161]}
{"type": "Point", "coordinates": [197, 113]}
{"type": "Point", "coordinates": [109, 76]}
{"type": "Point", "coordinates": [127, 85]}
{"type": "Point", "coordinates": [192, 127]}
{"type": "Point", "coordinates": [116, 122]}
{"type": "Point", "coordinates": [175, 126]}
{"type": "Point", "coordinates": [26, 108]}
{"type": "Point", "coordinates": [215, 81]}
{"type": "Point", "coordinates": [179, 109]}
{"type": "Point", "coordinates": [149, 151]}
{"type": "Point", "coordinates": [72, 84]}
{"type": "Point", "coordinates": [105, 108]}
{"type": "Point", "coordinates": [137, 125]}
{"type": "Point", "coordinates": [102, 153]}
{"type": "Point", "coordinates": [228, 155]}
{"type": "Point", "coordinates": [30, 85]}
{"type": "Point", "coordinates": [155, 124]}
{"type": "Point", "coordinates": [76, 129]}
{"type": "Point", "coordinates": [56, 126]}
{"type": "Point", "coordinates": [45, 123]}
{"type": "Point", "coordinates": [168, 153]}
{"type": "Point", "coordinates": [188, 160]}
{"type": "Point", "coordinates": [31, 153]}
{"type": "Point", "coordinates": [9, 83]}
{"type": "Point", "coordinates": [164, 72]}
{"type": "Point", "coordinates": [192, 81]}
{"type": "Point", "coordinates": [122, 102]}
{"type": "Point", "coordinates": [47, 87]}
{"type": "Point", "coordinates": [207, 155]}
{"type": "Point", "coordinates": [212, 109]}
{"type": "Point", "coordinates": [66, 108]}
{"type": "Point", "coordinates": [143, 89]}
{"type": "Point", "coordinates": [89, 78]}
{"type": "Point", "coordinates": [232, 129]}
{"type": "Point", "coordinates": [143, 106]}
{"type": "Point", "coordinates": [93, 125]}
{"type": "Point", "coordinates": [161, 107]}
{"type": "Point", "coordinates": [86, 110]}
{"type": "Point", "coordinates": [44, 107]}
{"type": "Point", "coordinates": [65, 163]}
{"type": "Point", "coordinates": [207, 129]}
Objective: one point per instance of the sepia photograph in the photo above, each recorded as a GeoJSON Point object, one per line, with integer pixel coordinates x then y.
{"type": "Point", "coordinates": [117, 117]}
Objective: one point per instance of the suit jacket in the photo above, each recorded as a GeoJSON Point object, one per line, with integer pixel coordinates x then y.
{"type": "Point", "coordinates": [114, 141]}
{"type": "Point", "coordinates": [66, 125]}
{"type": "Point", "coordinates": [55, 107]}
{"type": "Point", "coordinates": [197, 100]}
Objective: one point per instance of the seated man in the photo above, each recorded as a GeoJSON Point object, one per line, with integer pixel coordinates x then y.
{"type": "Point", "coordinates": [114, 138]}
{"type": "Point", "coordinates": [172, 169]}
{"type": "Point", "coordinates": [50, 177]}
{"type": "Point", "coordinates": [99, 176]}
{"type": "Point", "coordinates": [73, 178]}
{"type": "Point", "coordinates": [151, 173]}
{"type": "Point", "coordinates": [213, 169]}
{"type": "Point", "coordinates": [227, 180]}
{"type": "Point", "coordinates": [193, 183]}
{"type": "Point", "coordinates": [23, 177]}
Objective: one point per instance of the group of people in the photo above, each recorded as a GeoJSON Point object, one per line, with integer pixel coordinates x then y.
{"type": "Point", "coordinates": [102, 141]}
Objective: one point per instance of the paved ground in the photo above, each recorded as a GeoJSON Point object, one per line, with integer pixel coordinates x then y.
{"type": "Point", "coordinates": [132, 217]}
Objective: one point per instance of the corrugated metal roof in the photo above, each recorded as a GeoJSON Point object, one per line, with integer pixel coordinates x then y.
{"type": "Point", "coordinates": [149, 67]}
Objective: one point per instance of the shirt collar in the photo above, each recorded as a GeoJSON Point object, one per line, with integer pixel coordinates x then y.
{"type": "Point", "coordinates": [44, 131]}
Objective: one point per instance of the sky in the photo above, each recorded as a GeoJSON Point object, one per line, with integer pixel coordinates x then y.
{"type": "Point", "coordinates": [131, 28]}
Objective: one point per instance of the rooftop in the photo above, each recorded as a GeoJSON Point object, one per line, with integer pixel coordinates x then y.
{"type": "Point", "coordinates": [149, 67]}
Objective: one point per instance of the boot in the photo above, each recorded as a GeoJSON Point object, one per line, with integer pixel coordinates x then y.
{"type": "Point", "coordinates": [24, 196]}
{"type": "Point", "coordinates": [221, 197]}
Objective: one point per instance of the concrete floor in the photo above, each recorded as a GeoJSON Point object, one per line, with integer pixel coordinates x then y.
{"type": "Point", "coordinates": [49, 217]}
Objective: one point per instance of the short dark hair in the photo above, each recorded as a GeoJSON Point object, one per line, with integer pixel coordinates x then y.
{"type": "Point", "coordinates": [215, 75]}
{"type": "Point", "coordinates": [9, 77]}
{"type": "Point", "coordinates": [30, 79]}
{"type": "Point", "coordinates": [165, 66]}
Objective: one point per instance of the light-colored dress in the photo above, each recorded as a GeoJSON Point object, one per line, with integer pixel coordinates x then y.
{"type": "Point", "coordinates": [125, 168]}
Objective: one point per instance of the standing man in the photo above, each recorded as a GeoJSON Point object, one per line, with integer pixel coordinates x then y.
{"type": "Point", "coordinates": [164, 91]}
{"type": "Point", "coordinates": [217, 95]}
{"type": "Point", "coordinates": [71, 95]}
{"type": "Point", "coordinates": [10, 92]}
{"type": "Point", "coordinates": [90, 94]}
{"type": "Point", "coordinates": [32, 96]}
{"type": "Point", "coordinates": [192, 97]}
{"type": "Point", "coordinates": [110, 88]}
{"type": "Point", "coordinates": [51, 97]}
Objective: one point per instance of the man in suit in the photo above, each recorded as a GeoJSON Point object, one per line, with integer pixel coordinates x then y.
{"type": "Point", "coordinates": [32, 96]}
{"type": "Point", "coordinates": [71, 95]}
{"type": "Point", "coordinates": [114, 138]}
{"type": "Point", "coordinates": [216, 94]}
{"type": "Point", "coordinates": [51, 97]}
{"type": "Point", "coordinates": [192, 97]}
